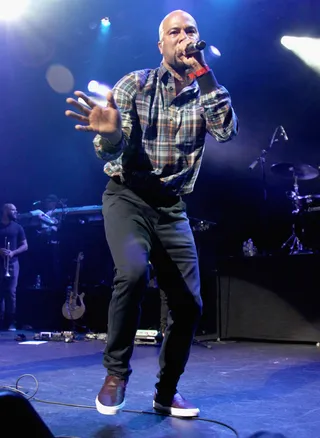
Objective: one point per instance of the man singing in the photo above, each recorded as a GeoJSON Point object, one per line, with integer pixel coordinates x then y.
{"type": "Point", "coordinates": [12, 242]}
{"type": "Point", "coordinates": [151, 136]}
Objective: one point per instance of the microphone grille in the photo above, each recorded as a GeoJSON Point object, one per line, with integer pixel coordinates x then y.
{"type": "Point", "coordinates": [201, 45]}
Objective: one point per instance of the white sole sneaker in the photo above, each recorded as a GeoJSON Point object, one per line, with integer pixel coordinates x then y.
{"type": "Point", "coordinates": [109, 410]}
{"type": "Point", "coordinates": [175, 412]}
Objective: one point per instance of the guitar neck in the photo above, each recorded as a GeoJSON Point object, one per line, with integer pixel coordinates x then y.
{"type": "Point", "coordinates": [76, 280]}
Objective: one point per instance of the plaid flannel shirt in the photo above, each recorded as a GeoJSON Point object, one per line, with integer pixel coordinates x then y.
{"type": "Point", "coordinates": [164, 134]}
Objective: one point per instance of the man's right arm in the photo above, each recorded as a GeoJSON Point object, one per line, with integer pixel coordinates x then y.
{"type": "Point", "coordinates": [124, 94]}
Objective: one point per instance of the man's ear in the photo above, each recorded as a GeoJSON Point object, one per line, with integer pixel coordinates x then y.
{"type": "Point", "coordinates": [160, 47]}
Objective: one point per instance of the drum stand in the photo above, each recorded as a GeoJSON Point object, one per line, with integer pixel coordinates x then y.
{"type": "Point", "coordinates": [296, 246]}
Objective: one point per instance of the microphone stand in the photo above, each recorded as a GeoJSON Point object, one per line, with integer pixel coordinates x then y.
{"type": "Point", "coordinates": [262, 161]}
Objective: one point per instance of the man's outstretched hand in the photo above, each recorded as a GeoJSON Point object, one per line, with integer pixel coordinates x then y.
{"type": "Point", "coordinates": [95, 118]}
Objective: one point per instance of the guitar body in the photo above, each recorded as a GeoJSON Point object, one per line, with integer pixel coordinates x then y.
{"type": "Point", "coordinates": [74, 307]}
{"type": "Point", "coordinates": [72, 310]}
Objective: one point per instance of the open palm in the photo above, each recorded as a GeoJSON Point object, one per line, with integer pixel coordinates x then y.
{"type": "Point", "coordinates": [96, 118]}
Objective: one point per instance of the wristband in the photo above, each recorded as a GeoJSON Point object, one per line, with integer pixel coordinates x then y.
{"type": "Point", "coordinates": [198, 73]}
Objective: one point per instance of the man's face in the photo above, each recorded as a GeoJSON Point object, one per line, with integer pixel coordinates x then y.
{"type": "Point", "coordinates": [50, 205]}
{"type": "Point", "coordinates": [177, 28]}
{"type": "Point", "coordinates": [11, 212]}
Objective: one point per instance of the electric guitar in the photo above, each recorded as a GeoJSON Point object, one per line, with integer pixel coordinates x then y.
{"type": "Point", "coordinates": [74, 307]}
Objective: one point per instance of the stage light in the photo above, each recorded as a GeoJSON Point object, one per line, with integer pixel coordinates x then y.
{"type": "Point", "coordinates": [12, 10]}
{"type": "Point", "coordinates": [97, 88]}
{"type": "Point", "coordinates": [307, 49]}
{"type": "Point", "coordinates": [99, 100]}
{"type": "Point", "coordinates": [214, 51]}
{"type": "Point", "coordinates": [105, 22]}
{"type": "Point", "coordinates": [93, 86]}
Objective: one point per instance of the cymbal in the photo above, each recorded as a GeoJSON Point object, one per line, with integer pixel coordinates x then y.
{"type": "Point", "coordinates": [289, 170]}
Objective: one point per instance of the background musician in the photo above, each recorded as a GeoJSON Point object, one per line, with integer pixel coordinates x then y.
{"type": "Point", "coordinates": [49, 267]}
{"type": "Point", "coordinates": [12, 243]}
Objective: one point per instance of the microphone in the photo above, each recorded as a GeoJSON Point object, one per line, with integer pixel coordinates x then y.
{"type": "Point", "coordinates": [195, 47]}
{"type": "Point", "coordinates": [36, 202]}
{"type": "Point", "coordinates": [283, 133]}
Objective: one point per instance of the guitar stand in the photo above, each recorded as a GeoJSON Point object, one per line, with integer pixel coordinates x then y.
{"type": "Point", "coordinates": [74, 324]}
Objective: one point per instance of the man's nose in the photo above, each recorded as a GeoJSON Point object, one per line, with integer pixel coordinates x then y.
{"type": "Point", "coordinates": [183, 36]}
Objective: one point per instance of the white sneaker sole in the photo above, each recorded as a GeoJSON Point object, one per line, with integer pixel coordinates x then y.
{"type": "Point", "coordinates": [108, 410]}
{"type": "Point", "coordinates": [175, 412]}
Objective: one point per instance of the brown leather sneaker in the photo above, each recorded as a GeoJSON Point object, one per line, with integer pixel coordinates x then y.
{"type": "Point", "coordinates": [111, 396]}
{"type": "Point", "coordinates": [176, 406]}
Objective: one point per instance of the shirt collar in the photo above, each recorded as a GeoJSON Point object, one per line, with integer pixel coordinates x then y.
{"type": "Point", "coordinates": [163, 73]}
{"type": "Point", "coordinates": [164, 76]}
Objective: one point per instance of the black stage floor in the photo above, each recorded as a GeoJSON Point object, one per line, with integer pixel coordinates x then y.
{"type": "Point", "coordinates": [251, 386]}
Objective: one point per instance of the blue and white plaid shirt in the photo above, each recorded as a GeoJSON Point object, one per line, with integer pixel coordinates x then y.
{"type": "Point", "coordinates": [164, 134]}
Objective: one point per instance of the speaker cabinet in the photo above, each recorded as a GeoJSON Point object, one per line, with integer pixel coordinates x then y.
{"type": "Point", "coordinates": [271, 298]}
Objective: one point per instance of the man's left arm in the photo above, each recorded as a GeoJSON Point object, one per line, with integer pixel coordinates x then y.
{"type": "Point", "coordinates": [22, 248]}
{"type": "Point", "coordinates": [221, 120]}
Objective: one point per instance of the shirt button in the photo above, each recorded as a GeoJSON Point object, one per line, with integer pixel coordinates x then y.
{"type": "Point", "coordinates": [170, 88]}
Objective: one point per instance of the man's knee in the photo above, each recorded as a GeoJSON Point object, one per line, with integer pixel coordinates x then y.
{"type": "Point", "coordinates": [133, 275]}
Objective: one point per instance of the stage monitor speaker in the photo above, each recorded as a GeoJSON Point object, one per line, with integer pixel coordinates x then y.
{"type": "Point", "coordinates": [150, 308]}
{"type": "Point", "coordinates": [271, 298]}
{"type": "Point", "coordinates": [19, 418]}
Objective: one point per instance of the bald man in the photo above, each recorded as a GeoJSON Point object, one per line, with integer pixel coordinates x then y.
{"type": "Point", "coordinates": [12, 243]}
{"type": "Point", "coordinates": [151, 136]}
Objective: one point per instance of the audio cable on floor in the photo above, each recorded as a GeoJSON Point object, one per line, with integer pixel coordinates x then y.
{"type": "Point", "coordinates": [131, 411]}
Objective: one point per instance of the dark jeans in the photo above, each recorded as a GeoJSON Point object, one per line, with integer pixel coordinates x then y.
{"type": "Point", "coordinates": [8, 286]}
{"type": "Point", "coordinates": [139, 228]}
{"type": "Point", "coordinates": [164, 310]}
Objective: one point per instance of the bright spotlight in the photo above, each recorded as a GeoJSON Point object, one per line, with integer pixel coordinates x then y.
{"type": "Point", "coordinates": [214, 51]}
{"type": "Point", "coordinates": [307, 49]}
{"type": "Point", "coordinates": [99, 100]}
{"type": "Point", "coordinates": [93, 86]}
{"type": "Point", "coordinates": [12, 10]}
{"type": "Point", "coordinates": [105, 22]}
{"type": "Point", "coordinates": [97, 88]}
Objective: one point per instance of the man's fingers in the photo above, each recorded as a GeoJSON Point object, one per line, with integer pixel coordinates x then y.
{"type": "Point", "coordinates": [83, 108]}
{"type": "Point", "coordinates": [111, 101]}
{"type": "Point", "coordinates": [87, 128]}
{"type": "Point", "coordinates": [77, 116]}
{"type": "Point", "coordinates": [85, 98]}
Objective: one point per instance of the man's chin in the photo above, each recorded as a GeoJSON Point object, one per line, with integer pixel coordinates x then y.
{"type": "Point", "coordinates": [180, 66]}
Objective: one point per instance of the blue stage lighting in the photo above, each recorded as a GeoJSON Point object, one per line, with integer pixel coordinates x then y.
{"type": "Point", "coordinates": [105, 22]}
{"type": "Point", "coordinates": [13, 10]}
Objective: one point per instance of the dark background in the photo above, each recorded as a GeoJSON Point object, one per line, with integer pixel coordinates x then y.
{"type": "Point", "coordinates": [41, 152]}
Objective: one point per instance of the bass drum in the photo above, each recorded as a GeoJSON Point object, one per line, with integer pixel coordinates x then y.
{"type": "Point", "coordinates": [307, 222]}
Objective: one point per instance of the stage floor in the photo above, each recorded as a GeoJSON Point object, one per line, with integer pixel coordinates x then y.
{"type": "Point", "coordinates": [250, 386]}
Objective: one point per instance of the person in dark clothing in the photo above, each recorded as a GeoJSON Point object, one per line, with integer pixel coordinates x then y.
{"type": "Point", "coordinates": [151, 136]}
{"type": "Point", "coordinates": [49, 265]}
{"type": "Point", "coordinates": [12, 243]}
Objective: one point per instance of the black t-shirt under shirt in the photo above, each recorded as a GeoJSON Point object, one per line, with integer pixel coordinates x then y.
{"type": "Point", "coordinates": [15, 235]}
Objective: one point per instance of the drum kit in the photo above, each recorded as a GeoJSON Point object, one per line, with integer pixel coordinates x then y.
{"type": "Point", "coordinates": [305, 224]}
